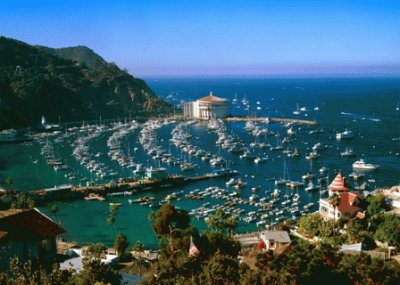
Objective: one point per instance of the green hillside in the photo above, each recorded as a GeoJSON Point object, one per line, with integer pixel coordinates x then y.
{"type": "Point", "coordinates": [67, 84]}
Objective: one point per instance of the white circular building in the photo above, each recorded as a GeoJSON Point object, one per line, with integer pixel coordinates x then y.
{"type": "Point", "coordinates": [206, 108]}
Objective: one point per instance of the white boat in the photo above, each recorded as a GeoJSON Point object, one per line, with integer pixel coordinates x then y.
{"type": "Point", "coordinates": [348, 152]}
{"type": "Point", "coordinates": [260, 159]}
{"type": "Point", "coordinates": [346, 135]}
{"type": "Point", "coordinates": [188, 166]}
{"type": "Point", "coordinates": [297, 112]}
{"type": "Point", "coordinates": [8, 135]}
{"type": "Point", "coordinates": [231, 182]}
{"type": "Point", "coordinates": [362, 165]}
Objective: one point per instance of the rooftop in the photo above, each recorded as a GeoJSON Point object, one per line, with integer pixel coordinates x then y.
{"type": "Point", "coordinates": [211, 98]}
{"type": "Point", "coordinates": [32, 224]}
{"type": "Point", "coordinates": [279, 236]}
{"type": "Point", "coordinates": [339, 184]}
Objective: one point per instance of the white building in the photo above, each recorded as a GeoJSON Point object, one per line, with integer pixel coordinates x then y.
{"type": "Point", "coordinates": [206, 108]}
{"type": "Point", "coordinates": [349, 205]}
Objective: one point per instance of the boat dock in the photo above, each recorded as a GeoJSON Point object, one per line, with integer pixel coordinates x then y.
{"type": "Point", "coordinates": [71, 192]}
{"type": "Point", "coordinates": [272, 120]}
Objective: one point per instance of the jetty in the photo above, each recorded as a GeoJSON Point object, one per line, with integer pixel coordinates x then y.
{"type": "Point", "coordinates": [122, 187]}
{"type": "Point", "coordinates": [272, 120]}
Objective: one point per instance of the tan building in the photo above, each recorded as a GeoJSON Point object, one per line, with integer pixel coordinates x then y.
{"type": "Point", "coordinates": [206, 108]}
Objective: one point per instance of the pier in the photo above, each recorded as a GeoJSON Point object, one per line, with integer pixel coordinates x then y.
{"type": "Point", "coordinates": [272, 120]}
{"type": "Point", "coordinates": [73, 192]}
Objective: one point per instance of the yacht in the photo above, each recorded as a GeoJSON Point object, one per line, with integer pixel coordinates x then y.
{"type": "Point", "coordinates": [362, 165]}
{"type": "Point", "coordinates": [348, 152]}
{"type": "Point", "coordinates": [346, 135]}
{"type": "Point", "coordinates": [260, 159]}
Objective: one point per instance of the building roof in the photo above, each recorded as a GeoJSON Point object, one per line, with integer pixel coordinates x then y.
{"type": "Point", "coordinates": [211, 98]}
{"type": "Point", "coordinates": [28, 224]}
{"type": "Point", "coordinates": [339, 184]}
{"type": "Point", "coordinates": [349, 202]}
{"type": "Point", "coordinates": [3, 234]}
{"type": "Point", "coordinates": [279, 236]}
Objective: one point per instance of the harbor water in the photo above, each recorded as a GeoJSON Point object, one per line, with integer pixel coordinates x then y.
{"type": "Point", "coordinates": [369, 108]}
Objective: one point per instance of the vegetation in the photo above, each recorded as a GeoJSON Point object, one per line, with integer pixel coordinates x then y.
{"type": "Point", "coordinates": [121, 244]}
{"type": "Point", "coordinates": [23, 202]}
{"type": "Point", "coordinates": [389, 230]}
{"type": "Point", "coordinates": [67, 84]}
{"type": "Point", "coordinates": [220, 221]}
{"type": "Point", "coordinates": [96, 250]}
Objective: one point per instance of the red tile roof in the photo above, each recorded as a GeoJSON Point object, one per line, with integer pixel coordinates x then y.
{"type": "Point", "coordinates": [31, 224]}
{"type": "Point", "coordinates": [360, 215]}
{"type": "Point", "coordinates": [349, 202]}
{"type": "Point", "coordinates": [211, 98]}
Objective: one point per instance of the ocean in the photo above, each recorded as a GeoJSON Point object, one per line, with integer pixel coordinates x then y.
{"type": "Point", "coordinates": [369, 107]}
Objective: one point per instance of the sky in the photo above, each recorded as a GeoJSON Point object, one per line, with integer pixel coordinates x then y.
{"type": "Point", "coordinates": [190, 38]}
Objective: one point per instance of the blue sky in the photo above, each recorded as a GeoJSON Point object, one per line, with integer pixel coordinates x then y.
{"type": "Point", "coordinates": [218, 37]}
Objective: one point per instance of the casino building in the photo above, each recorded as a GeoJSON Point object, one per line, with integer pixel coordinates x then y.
{"type": "Point", "coordinates": [206, 108]}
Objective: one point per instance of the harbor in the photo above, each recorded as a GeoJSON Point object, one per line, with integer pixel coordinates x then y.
{"type": "Point", "coordinates": [260, 170]}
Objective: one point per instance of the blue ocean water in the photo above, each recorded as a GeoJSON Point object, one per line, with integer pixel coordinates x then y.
{"type": "Point", "coordinates": [366, 106]}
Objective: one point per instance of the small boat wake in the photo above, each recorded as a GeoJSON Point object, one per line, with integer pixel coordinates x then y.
{"type": "Point", "coordinates": [360, 116]}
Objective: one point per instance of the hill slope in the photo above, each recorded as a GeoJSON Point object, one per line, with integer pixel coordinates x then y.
{"type": "Point", "coordinates": [67, 84]}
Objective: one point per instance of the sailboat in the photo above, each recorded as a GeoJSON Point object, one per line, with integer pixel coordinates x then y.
{"type": "Point", "coordinates": [297, 112]}
{"type": "Point", "coordinates": [235, 100]}
{"type": "Point", "coordinates": [285, 179]}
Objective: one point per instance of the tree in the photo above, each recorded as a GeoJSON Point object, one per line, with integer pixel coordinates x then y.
{"type": "Point", "coordinates": [310, 225]}
{"type": "Point", "coordinates": [121, 244]}
{"type": "Point", "coordinates": [23, 202]}
{"type": "Point", "coordinates": [25, 273]}
{"type": "Point", "coordinates": [95, 271]}
{"type": "Point", "coordinates": [377, 204]}
{"type": "Point", "coordinates": [170, 223]}
{"type": "Point", "coordinates": [355, 229]}
{"type": "Point", "coordinates": [96, 249]}
{"type": "Point", "coordinates": [220, 221]}
{"type": "Point", "coordinates": [221, 270]}
{"type": "Point", "coordinates": [138, 246]}
{"type": "Point", "coordinates": [9, 181]}
{"type": "Point", "coordinates": [334, 200]}
{"type": "Point", "coordinates": [389, 230]}
{"type": "Point", "coordinates": [139, 263]}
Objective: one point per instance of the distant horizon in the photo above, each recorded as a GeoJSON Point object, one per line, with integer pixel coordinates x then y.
{"type": "Point", "coordinates": [220, 38]}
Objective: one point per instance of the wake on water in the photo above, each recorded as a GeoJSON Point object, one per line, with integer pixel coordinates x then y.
{"type": "Point", "coordinates": [362, 117]}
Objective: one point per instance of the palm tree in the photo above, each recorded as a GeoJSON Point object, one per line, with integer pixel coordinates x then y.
{"type": "Point", "coordinates": [9, 181]}
{"type": "Point", "coordinates": [140, 263]}
{"type": "Point", "coordinates": [334, 200]}
{"type": "Point", "coordinates": [230, 224]}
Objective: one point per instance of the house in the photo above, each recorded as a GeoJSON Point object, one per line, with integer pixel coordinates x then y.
{"type": "Point", "coordinates": [29, 235]}
{"type": "Point", "coordinates": [350, 204]}
{"type": "Point", "coordinates": [349, 207]}
{"type": "Point", "coordinates": [275, 240]}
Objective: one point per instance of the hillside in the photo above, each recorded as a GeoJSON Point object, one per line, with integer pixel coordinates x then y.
{"type": "Point", "coordinates": [80, 54]}
{"type": "Point", "coordinates": [67, 84]}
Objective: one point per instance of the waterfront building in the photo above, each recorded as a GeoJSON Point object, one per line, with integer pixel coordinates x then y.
{"type": "Point", "coordinates": [206, 108]}
{"type": "Point", "coordinates": [29, 235]}
{"type": "Point", "coordinates": [156, 174]}
{"type": "Point", "coordinates": [350, 204]}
